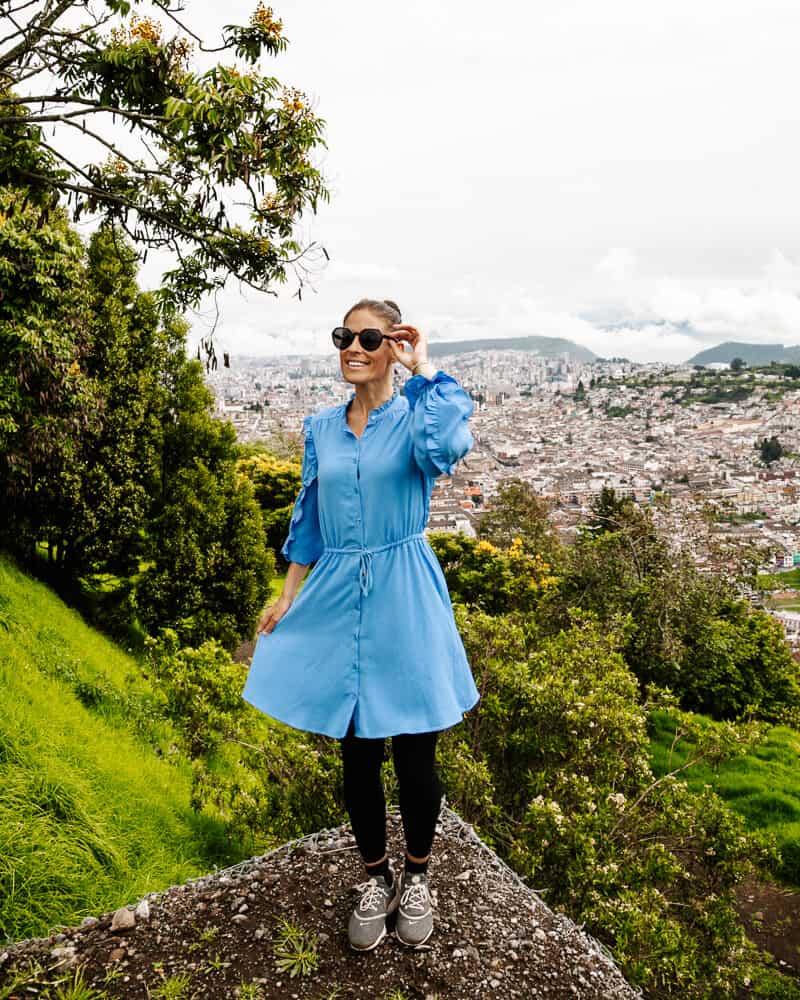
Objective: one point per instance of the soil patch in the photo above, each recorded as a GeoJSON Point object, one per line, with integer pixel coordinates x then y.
{"type": "Point", "coordinates": [771, 916]}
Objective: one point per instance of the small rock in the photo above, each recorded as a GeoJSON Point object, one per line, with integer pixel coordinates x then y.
{"type": "Point", "coordinates": [142, 911]}
{"type": "Point", "coordinates": [65, 954]}
{"type": "Point", "coordinates": [89, 921]}
{"type": "Point", "coordinates": [117, 954]}
{"type": "Point", "coordinates": [123, 919]}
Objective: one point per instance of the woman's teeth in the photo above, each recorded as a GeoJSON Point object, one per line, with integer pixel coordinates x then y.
{"type": "Point", "coordinates": [357, 364]}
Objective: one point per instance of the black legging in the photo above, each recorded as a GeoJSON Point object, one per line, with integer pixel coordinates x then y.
{"type": "Point", "coordinates": [420, 791]}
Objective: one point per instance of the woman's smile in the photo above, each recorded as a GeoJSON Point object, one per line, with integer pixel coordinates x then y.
{"type": "Point", "coordinates": [354, 363]}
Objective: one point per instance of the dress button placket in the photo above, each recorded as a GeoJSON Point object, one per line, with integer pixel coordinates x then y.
{"type": "Point", "coordinates": [357, 458]}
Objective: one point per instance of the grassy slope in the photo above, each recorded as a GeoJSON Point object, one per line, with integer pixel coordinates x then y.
{"type": "Point", "coordinates": [780, 581]}
{"type": "Point", "coordinates": [91, 815]}
{"type": "Point", "coordinates": [762, 786]}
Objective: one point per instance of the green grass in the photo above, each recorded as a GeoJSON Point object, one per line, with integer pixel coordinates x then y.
{"type": "Point", "coordinates": [762, 786]}
{"type": "Point", "coordinates": [779, 581]}
{"type": "Point", "coordinates": [92, 815]}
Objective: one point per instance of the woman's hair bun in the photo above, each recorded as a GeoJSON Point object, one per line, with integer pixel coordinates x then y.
{"type": "Point", "coordinates": [393, 305]}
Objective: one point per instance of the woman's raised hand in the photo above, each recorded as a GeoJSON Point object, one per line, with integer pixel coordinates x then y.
{"type": "Point", "coordinates": [273, 615]}
{"type": "Point", "coordinates": [419, 345]}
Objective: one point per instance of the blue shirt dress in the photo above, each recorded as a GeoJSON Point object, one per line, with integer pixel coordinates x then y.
{"type": "Point", "coordinates": [371, 634]}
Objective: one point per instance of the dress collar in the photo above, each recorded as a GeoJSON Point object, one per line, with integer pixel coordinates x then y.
{"type": "Point", "coordinates": [377, 411]}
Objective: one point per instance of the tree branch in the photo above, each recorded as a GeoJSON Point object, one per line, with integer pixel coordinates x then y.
{"type": "Point", "coordinates": [36, 34]}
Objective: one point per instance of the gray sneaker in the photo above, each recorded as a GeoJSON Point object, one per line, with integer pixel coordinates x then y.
{"type": "Point", "coordinates": [415, 913]}
{"type": "Point", "coordinates": [367, 927]}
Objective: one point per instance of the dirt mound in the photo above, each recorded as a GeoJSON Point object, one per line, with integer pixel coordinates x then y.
{"type": "Point", "coordinates": [223, 935]}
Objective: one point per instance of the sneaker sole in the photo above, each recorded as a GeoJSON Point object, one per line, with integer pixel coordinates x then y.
{"type": "Point", "coordinates": [390, 912]}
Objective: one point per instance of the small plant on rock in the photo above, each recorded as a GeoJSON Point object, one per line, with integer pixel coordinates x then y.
{"type": "Point", "coordinates": [174, 988]}
{"type": "Point", "coordinates": [295, 950]}
{"type": "Point", "coordinates": [78, 989]}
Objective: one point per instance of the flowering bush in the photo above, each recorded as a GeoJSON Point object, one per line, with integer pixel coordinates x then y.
{"type": "Point", "coordinates": [572, 804]}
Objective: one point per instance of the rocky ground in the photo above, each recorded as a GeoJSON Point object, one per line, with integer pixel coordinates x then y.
{"type": "Point", "coordinates": [242, 932]}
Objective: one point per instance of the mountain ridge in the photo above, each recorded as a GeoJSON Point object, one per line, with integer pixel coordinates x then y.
{"type": "Point", "coordinates": [550, 347]}
{"type": "Point", "coordinates": [751, 354]}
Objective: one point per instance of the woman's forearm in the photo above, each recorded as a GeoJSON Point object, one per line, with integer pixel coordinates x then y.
{"type": "Point", "coordinates": [294, 577]}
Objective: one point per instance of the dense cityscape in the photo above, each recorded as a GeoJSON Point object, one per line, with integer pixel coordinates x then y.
{"type": "Point", "coordinates": [569, 429]}
{"type": "Point", "coordinates": [684, 441]}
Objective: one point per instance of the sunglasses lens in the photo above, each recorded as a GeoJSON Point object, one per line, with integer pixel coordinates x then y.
{"type": "Point", "coordinates": [342, 337]}
{"type": "Point", "coordinates": [370, 339]}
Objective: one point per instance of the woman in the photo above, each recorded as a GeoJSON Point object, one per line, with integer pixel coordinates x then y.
{"type": "Point", "coordinates": [369, 648]}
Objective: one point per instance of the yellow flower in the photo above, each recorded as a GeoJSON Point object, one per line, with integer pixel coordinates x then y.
{"type": "Point", "coordinates": [145, 29]}
{"type": "Point", "coordinates": [263, 18]}
{"type": "Point", "coordinates": [484, 546]}
{"type": "Point", "coordinates": [74, 369]}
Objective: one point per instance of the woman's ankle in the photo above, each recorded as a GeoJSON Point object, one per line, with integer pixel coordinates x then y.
{"type": "Point", "coordinates": [383, 868]}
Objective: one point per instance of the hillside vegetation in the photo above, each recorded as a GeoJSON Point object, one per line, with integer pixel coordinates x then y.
{"type": "Point", "coordinates": [93, 811]}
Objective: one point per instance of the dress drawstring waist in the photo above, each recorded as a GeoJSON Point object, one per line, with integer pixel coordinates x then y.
{"type": "Point", "coordinates": [365, 558]}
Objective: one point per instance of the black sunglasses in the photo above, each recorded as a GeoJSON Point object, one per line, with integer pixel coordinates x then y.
{"type": "Point", "coordinates": [369, 339]}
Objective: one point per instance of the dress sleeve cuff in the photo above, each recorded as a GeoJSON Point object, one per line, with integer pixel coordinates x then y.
{"type": "Point", "coordinates": [440, 409]}
{"type": "Point", "coordinates": [415, 385]}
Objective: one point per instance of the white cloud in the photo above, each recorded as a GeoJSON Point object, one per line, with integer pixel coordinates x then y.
{"type": "Point", "coordinates": [535, 168]}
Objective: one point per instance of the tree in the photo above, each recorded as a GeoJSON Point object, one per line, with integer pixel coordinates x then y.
{"type": "Point", "coordinates": [221, 170]}
{"type": "Point", "coordinates": [211, 571]}
{"type": "Point", "coordinates": [608, 511]}
{"type": "Point", "coordinates": [771, 450]}
{"type": "Point", "coordinates": [118, 471]}
{"type": "Point", "coordinates": [683, 629]}
{"type": "Point", "coordinates": [737, 364]}
{"type": "Point", "coordinates": [47, 399]}
{"type": "Point", "coordinates": [518, 512]}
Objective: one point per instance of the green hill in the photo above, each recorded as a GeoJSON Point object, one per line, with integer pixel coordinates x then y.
{"type": "Point", "coordinates": [753, 354]}
{"type": "Point", "coordinates": [94, 808]}
{"type": "Point", "coordinates": [549, 347]}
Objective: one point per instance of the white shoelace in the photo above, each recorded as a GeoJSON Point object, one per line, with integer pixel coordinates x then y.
{"type": "Point", "coordinates": [416, 895]}
{"type": "Point", "coordinates": [373, 894]}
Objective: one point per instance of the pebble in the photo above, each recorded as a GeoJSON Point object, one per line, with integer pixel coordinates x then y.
{"type": "Point", "coordinates": [123, 919]}
{"type": "Point", "coordinates": [65, 954]}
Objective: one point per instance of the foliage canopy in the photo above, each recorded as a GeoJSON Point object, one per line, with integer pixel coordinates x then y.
{"type": "Point", "coordinates": [216, 164]}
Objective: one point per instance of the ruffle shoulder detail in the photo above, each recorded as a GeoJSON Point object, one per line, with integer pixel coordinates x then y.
{"type": "Point", "coordinates": [441, 409]}
{"type": "Point", "coordinates": [304, 541]}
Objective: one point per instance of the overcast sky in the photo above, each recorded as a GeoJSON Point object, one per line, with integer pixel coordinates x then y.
{"type": "Point", "coordinates": [504, 168]}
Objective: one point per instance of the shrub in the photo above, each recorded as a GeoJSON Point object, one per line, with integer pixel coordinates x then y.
{"type": "Point", "coordinates": [647, 865]}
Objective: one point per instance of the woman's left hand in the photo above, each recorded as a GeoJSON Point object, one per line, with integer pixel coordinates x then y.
{"type": "Point", "coordinates": [419, 345]}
